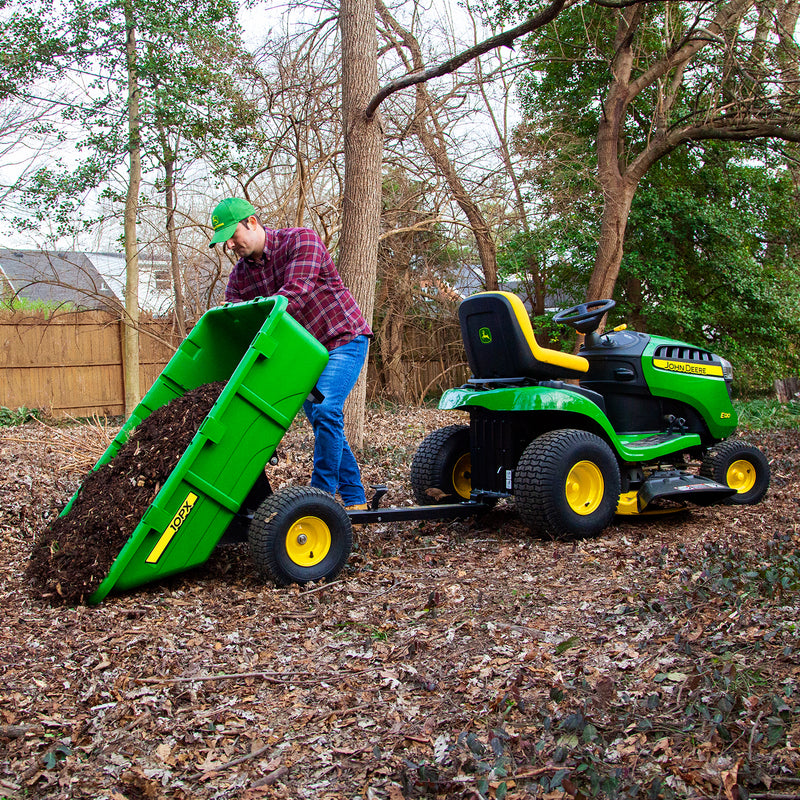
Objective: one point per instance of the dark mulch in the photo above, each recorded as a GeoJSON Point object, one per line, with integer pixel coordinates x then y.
{"type": "Point", "coordinates": [72, 556]}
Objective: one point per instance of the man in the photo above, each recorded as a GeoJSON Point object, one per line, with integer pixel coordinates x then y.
{"type": "Point", "coordinates": [295, 263]}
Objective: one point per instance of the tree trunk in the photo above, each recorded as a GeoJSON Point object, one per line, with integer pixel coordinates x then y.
{"type": "Point", "coordinates": [618, 186]}
{"type": "Point", "coordinates": [618, 196]}
{"type": "Point", "coordinates": [130, 350]}
{"type": "Point", "coordinates": [434, 146]}
{"type": "Point", "coordinates": [361, 199]}
{"type": "Point", "coordinates": [177, 286]}
{"type": "Point", "coordinates": [434, 141]}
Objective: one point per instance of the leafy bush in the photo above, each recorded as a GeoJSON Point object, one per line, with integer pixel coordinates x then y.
{"type": "Point", "coordinates": [45, 307]}
{"type": "Point", "coordinates": [9, 418]}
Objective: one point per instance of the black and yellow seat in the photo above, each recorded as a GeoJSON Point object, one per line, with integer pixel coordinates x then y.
{"type": "Point", "coordinates": [501, 346]}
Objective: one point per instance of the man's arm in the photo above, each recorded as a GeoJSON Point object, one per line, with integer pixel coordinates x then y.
{"type": "Point", "coordinates": [233, 291]}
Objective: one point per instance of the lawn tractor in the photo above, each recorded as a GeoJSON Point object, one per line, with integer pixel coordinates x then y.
{"type": "Point", "coordinates": [576, 439]}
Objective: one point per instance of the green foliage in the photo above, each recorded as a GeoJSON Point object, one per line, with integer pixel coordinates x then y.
{"type": "Point", "coordinates": [187, 62]}
{"type": "Point", "coordinates": [710, 258]}
{"type": "Point", "coordinates": [764, 414]}
{"type": "Point", "coordinates": [11, 418]}
{"type": "Point", "coordinates": [552, 259]}
{"type": "Point", "coordinates": [46, 308]}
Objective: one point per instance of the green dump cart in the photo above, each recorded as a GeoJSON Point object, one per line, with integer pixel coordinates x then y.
{"type": "Point", "coordinates": [269, 364]}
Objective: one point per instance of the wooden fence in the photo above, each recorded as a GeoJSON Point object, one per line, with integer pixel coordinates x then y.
{"type": "Point", "coordinates": [71, 364]}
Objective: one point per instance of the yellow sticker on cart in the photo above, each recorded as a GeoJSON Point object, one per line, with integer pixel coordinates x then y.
{"type": "Point", "coordinates": [172, 528]}
{"type": "Point", "coordinates": [690, 367]}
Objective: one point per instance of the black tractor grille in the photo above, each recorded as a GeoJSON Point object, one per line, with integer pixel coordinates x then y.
{"type": "Point", "coordinates": [682, 353]}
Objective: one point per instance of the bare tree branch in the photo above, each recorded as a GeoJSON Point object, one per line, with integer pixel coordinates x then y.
{"type": "Point", "coordinates": [504, 39]}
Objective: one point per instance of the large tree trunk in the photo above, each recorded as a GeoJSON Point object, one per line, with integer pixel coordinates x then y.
{"type": "Point", "coordinates": [361, 199]}
{"type": "Point", "coordinates": [618, 186]}
{"type": "Point", "coordinates": [130, 349]}
{"type": "Point", "coordinates": [618, 195]}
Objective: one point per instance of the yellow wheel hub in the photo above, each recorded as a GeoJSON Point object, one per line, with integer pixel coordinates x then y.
{"type": "Point", "coordinates": [741, 475]}
{"type": "Point", "coordinates": [462, 476]}
{"type": "Point", "coordinates": [308, 541]}
{"type": "Point", "coordinates": [584, 488]}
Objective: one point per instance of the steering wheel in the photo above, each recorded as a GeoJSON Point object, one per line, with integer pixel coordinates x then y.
{"type": "Point", "coordinates": [585, 317]}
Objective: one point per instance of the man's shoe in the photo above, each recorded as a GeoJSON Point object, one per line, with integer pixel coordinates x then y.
{"type": "Point", "coordinates": [357, 507]}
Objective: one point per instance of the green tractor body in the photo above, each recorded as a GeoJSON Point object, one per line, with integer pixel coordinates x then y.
{"type": "Point", "coordinates": [577, 439]}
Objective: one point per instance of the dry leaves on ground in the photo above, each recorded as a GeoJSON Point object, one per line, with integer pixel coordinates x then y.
{"type": "Point", "coordinates": [453, 659]}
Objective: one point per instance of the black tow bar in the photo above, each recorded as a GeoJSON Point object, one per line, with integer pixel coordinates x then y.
{"type": "Point", "coordinates": [374, 513]}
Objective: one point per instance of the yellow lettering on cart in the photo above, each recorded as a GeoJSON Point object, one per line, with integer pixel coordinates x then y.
{"type": "Point", "coordinates": [687, 367]}
{"type": "Point", "coordinates": [172, 528]}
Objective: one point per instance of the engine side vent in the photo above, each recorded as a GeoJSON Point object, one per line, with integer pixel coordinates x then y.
{"type": "Point", "coordinates": [682, 353]}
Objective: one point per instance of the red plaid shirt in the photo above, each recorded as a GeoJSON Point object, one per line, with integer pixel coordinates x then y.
{"type": "Point", "coordinates": [297, 265]}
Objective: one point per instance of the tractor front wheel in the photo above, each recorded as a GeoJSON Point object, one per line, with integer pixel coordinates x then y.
{"type": "Point", "coordinates": [741, 466]}
{"type": "Point", "coordinates": [300, 534]}
{"type": "Point", "coordinates": [442, 468]}
{"type": "Point", "coordinates": [567, 484]}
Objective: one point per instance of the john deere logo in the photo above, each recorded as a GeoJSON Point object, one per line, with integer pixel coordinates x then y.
{"type": "Point", "coordinates": [485, 335]}
{"type": "Point", "coordinates": [216, 223]}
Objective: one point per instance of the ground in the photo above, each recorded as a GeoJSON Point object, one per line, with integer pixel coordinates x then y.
{"type": "Point", "coordinates": [449, 659]}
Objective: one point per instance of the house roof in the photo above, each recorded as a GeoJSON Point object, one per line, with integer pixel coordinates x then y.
{"type": "Point", "coordinates": [56, 277]}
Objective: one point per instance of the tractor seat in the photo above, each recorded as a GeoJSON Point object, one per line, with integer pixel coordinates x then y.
{"type": "Point", "coordinates": [500, 344]}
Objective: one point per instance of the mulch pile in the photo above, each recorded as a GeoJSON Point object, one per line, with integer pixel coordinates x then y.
{"type": "Point", "coordinates": [73, 554]}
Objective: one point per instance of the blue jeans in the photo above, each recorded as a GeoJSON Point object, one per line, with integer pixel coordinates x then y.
{"type": "Point", "coordinates": [335, 466]}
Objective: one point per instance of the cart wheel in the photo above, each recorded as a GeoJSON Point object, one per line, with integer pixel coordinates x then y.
{"type": "Point", "coordinates": [567, 484]}
{"type": "Point", "coordinates": [300, 534]}
{"type": "Point", "coordinates": [442, 463]}
{"type": "Point", "coordinates": [741, 466]}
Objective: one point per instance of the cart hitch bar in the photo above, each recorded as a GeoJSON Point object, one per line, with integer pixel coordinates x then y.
{"type": "Point", "coordinates": [374, 513]}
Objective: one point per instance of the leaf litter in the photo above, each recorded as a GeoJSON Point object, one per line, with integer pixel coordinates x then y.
{"type": "Point", "coordinates": [453, 659]}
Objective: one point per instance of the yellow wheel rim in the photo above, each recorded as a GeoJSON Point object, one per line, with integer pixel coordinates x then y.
{"type": "Point", "coordinates": [308, 541]}
{"type": "Point", "coordinates": [741, 475]}
{"type": "Point", "coordinates": [462, 476]}
{"type": "Point", "coordinates": [584, 488]}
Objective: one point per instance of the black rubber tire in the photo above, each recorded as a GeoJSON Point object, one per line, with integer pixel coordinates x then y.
{"type": "Point", "coordinates": [741, 466]}
{"type": "Point", "coordinates": [292, 514]}
{"type": "Point", "coordinates": [540, 484]}
{"type": "Point", "coordinates": [441, 455]}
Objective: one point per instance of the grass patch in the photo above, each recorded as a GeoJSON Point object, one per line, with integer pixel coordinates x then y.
{"type": "Point", "coordinates": [767, 414]}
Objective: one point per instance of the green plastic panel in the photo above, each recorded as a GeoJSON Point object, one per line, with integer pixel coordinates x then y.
{"type": "Point", "coordinates": [633, 448]}
{"type": "Point", "coordinates": [707, 393]}
{"type": "Point", "coordinates": [269, 364]}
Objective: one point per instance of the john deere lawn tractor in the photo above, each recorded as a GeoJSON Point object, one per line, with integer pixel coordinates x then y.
{"type": "Point", "coordinates": [576, 439]}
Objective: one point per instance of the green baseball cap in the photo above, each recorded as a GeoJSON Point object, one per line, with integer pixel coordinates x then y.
{"type": "Point", "coordinates": [227, 215]}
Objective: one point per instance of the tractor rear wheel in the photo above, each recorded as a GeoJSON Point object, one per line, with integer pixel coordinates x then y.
{"type": "Point", "coordinates": [442, 468]}
{"type": "Point", "coordinates": [741, 466]}
{"type": "Point", "coordinates": [567, 483]}
{"type": "Point", "coordinates": [300, 534]}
